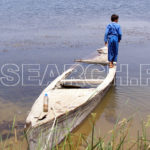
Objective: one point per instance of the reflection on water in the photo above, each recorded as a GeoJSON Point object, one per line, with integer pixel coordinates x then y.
{"type": "Point", "coordinates": [105, 109]}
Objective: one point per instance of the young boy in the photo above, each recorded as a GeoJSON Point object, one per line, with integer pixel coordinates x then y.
{"type": "Point", "coordinates": [113, 36]}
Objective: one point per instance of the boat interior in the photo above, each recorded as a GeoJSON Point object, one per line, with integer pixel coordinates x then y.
{"type": "Point", "coordinates": [69, 91]}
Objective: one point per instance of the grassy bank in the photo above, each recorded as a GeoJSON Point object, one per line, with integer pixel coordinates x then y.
{"type": "Point", "coordinates": [116, 139]}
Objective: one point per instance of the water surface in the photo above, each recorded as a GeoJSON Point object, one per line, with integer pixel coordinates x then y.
{"type": "Point", "coordinates": [57, 32]}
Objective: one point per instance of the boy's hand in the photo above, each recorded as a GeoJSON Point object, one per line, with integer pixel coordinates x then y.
{"type": "Point", "coordinates": [105, 43]}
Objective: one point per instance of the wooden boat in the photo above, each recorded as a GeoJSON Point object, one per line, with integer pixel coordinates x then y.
{"type": "Point", "coordinates": [68, 107]}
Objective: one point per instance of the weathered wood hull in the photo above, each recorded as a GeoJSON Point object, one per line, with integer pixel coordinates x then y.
{"type": "Point", "coordinates": [37, 137]}
{"type": "Point", "coordinates": [46, 134]}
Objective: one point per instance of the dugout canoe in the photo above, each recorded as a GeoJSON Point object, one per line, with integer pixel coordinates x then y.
{"type": "Point", "coordinates": [68, 107]}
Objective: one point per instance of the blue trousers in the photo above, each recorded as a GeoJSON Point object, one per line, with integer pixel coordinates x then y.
{"type": "Point", "coordinates": [113, 48]}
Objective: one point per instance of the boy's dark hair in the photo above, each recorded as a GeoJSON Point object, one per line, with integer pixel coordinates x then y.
{"type": "Point", "coordinates": [114, 17]}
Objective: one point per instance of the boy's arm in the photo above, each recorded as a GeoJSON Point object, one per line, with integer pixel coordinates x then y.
{"type": "Point", "coordinates": [106, 35]}
{"type": "Point", "coordinates": [119, 34]}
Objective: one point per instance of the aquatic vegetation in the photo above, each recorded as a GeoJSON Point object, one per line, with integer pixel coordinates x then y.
{"type": "Point", "coordinates": [119, 138]}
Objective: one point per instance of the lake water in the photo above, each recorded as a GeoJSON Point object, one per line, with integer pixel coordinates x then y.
{"type": "Point", "coordinates": [37, 33]}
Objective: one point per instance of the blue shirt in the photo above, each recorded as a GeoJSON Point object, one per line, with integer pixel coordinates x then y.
{"type": "Point", "coordinates": [113, 29]}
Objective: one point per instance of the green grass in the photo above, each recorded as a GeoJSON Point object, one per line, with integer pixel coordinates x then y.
{"type": "Point", "coordinates": [118, 138]}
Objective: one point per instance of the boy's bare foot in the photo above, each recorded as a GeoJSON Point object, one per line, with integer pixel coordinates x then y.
{"type": "Point", "coordinates": [111, 65]}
